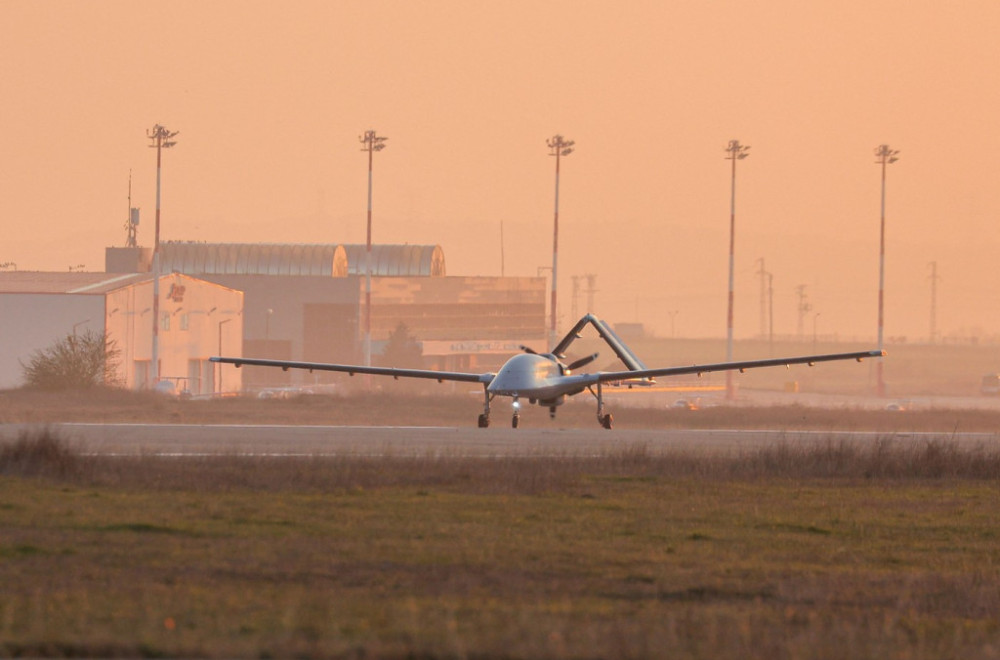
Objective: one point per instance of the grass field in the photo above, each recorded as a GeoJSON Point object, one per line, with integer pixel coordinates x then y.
{"type": "Point", "coordinates": [839, 551]}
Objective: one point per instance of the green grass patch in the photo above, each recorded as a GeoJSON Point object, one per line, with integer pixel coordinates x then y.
{"type": "Point", "coordinates": [604, 556]}
{"type": "Point", "coordinates": [396, 572]}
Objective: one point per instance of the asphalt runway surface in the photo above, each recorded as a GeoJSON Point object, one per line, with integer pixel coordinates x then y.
{"type": "Point", "coordinates": [261, 440]}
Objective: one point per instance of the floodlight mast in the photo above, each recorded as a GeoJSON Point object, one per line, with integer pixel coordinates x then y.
{"type": "Point", "coordinates": [886, 156]}
{"type": "Point", "coordinates": [736, 152]}
{"type": "Point", "coordinates": [162, 139]}
{"type": "Point", "coordinates": [558, 147]}
{"type": "Point", "coordinates": [371, 142]}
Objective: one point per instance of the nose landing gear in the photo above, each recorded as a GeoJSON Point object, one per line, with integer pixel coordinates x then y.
{"type": "Point", "coordinates": [517, 416]}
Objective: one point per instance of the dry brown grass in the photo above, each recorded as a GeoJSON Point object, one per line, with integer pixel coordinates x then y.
{"type": "Point", "coordinates": [42, 453]}
{"type": "Point", "coordinates": [440, 408]}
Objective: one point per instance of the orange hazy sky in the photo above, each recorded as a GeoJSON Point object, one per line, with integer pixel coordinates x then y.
{"type": "Point", "coordinates": [270, 98]}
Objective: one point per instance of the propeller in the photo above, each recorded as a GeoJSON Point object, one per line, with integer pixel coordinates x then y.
{"type": "Point", "coordinates": [582, 362]}
{"type": "Point", "coordinates": [528, 349]}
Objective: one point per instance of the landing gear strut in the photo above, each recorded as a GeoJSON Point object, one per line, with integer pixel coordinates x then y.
{"type": "Point", "coordinates": [484, 419]}
{"type": "Point", "coordinates": [517, 417]}
{"type": "Point", "coordinates": [605, 420]}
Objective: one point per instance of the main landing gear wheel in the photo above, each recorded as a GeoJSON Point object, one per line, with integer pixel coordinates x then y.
{"type": "Point", "coordinates": [484, 421]}
{"type": "Point", "coordinates": [514, 421]}
{"type": "Point", "coordinates": [607, 420]}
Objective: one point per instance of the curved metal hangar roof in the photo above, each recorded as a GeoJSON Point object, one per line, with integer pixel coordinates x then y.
{"type": "Point", "coordinates": [300, 259]}
{"type": "Point", "coordinates": [398, 260]}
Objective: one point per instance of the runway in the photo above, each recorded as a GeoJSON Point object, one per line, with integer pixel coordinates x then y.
{"type": "Point", "coordinates": [261, 440]}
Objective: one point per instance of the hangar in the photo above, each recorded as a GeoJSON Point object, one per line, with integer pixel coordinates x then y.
{"type": "Point", "coordinates": [197, 318]}
{"type": "Point", "coordinates": [306, 302]}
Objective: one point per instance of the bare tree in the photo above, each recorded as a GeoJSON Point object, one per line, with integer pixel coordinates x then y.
{"type": "Point", "coordinates": [74, 362]}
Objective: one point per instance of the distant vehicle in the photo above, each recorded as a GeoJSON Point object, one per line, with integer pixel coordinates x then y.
{"type": "Point", "coordinates": [166, 387]}
{"type": "Point", "coordinates": [990, 385]}
{"type": "Point", "coordinates": [169, 385]}
{"type": "Point", "coordinates": [685, 404]}
{"type": "Point", "coordinates": [544, 379]}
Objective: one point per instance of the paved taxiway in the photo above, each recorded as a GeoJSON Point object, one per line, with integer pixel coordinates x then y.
{"type": "Point", "coordinates": [197, 440]}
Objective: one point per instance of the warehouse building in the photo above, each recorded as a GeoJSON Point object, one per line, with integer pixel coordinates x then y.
{"type": "Point", "coordinates": [197, 318]}
{"type": "Point", "coordinates": [306, 302]}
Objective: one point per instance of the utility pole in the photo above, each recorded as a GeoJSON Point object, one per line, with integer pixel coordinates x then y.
{"type": "Point", "coordinates": [770, 313]}
{"type": "Point", "coordinates": [591, 290]}
{"type": "Point", "coordinates": [575, 279]}
{"type": "Point", "coordinates": [736, 152]}
{"type": "Point", "coordinates": [934, 278]}
{"type": "Point", "coordinates": [804, 308]}
{"type": "Point", "coordinates": [501, 250]}
{"type": "Point", "coordinates": [370, 143]}
{"type": "Point", "coordinates": [762, 274]}
{"type": "Point", "coordinates": [558, 147]}
{"type": "Point", "coordinates": [162, 139]}
{"type": "Point", "coordinates": [886, 156]}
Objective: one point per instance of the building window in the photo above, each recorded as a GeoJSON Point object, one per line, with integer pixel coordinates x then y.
{"type": "Point", "coordinates": [165, 321]}
{"type": "Point", "coordinates": [184, 322]}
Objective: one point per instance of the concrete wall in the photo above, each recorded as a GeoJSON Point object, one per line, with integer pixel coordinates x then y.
{"type": "Point", "coordinates": [34, 321]}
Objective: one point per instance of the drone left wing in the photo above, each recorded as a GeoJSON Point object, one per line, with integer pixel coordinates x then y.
{"type": "Point", "coordinates": [358, 369]}
{"type": "Point", "coordinates": [608, 376]}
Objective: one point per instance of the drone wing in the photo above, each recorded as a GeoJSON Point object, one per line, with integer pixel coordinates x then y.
{"type": "Point", "coordinates": [606, 376]}
{"type": "Point", "coordinates": [352, 369]}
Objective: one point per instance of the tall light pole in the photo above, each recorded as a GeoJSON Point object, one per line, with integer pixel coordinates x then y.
{"type": "Point", "coordinates": [370, 143]}
{"type": "Point", "coordinates": [221, 323]}
{"type": "Point", "coordinates": [558, 147]}
{"type": "Point", "coordinates": [162, 139]}
{"type": "Point", "coordinates": [885, 156]}
{"type": "Point", "coordinates": [736, 152]}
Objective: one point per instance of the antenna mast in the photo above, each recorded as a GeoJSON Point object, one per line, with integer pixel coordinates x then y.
{"type": "Point", "coordinates": [132, 223]}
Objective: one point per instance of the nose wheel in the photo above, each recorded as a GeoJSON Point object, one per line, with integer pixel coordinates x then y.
{"type": "Point", "coordinates": [484, 421]}
{"type": "Point", "coordinates": [606, 420]}
{"type": "Point", "coordinates": [515, 420]}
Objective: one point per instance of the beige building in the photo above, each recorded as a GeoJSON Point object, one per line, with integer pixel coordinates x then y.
{"type": "Point", "coordinates": [197, 318]}
{"type": "Point", "coordinates": [306, 302]}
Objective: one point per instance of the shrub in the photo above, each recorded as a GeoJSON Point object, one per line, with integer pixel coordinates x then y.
{"type": "Point", "coordinates": [76, 361]}
{"type": "Point", "coordinates": [39, 453]}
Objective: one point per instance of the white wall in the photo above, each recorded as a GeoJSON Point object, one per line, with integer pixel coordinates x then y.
{"type": "Point", "coordinates": [34, 321]}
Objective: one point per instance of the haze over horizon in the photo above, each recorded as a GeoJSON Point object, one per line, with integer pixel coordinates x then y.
{"type": "Point", "coordinates": [270, 98]}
